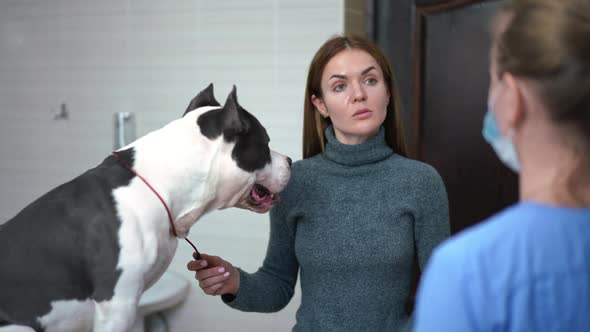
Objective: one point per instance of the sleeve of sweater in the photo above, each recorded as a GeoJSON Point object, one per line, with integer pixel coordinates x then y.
{"type": "Point", "coordinates": [271, 287]}
{"type": "Point", "coordinates": [431, 224]}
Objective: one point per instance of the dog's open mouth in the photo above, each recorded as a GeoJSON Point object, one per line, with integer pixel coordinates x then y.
{"type": "Point", "coordinates": [261, 197]}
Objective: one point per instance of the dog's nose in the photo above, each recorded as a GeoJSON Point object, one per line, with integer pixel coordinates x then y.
{"type": "Point", "coordinates": [289, 161]}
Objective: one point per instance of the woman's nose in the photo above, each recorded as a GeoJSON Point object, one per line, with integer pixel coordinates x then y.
{"type": "Point", "coordinates": [359, 92]}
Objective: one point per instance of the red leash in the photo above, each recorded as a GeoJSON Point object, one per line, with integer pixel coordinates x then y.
{"type": "Point", "coordinates": [124, 164]}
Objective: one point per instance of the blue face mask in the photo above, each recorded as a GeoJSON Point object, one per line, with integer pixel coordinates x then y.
{"type": "Point", "coordinates": [502, 145]}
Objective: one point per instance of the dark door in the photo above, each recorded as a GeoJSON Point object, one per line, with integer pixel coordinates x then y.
{"type": "Point", "coordinates": [439, 51]}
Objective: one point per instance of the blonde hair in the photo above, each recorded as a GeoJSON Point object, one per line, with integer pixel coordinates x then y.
{"type": "Point", "coordinates": [549, 41]}
{"type": "Point", "coordinates": [314, 124]}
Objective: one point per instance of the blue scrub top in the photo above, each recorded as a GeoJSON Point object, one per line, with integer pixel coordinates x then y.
{"type": "Point", "coordinates": [524, 269]}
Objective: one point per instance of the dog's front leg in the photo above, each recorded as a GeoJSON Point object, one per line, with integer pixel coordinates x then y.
{"type": "Point", "coordinates": [116, 315]}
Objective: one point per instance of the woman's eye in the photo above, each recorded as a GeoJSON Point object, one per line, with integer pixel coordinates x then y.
{"type": "Point", "coordinates": [371, 81]}
{"type": "Point", "coordinates": [339, 87]}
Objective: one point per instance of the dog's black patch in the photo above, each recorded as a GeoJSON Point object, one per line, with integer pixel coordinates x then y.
{"type": "Point", "coordinates": [251, 151]}
{"type": "Point", "coordinates": [63, 246]}
{"type": "Point", "coordinates": [204, 98]}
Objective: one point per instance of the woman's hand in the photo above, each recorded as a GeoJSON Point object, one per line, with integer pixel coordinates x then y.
{"type": "Point", "coordinates": [216, 276]}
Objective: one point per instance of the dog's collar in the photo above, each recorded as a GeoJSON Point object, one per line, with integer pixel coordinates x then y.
{"type": "Point", "coordinates": [124, 164]}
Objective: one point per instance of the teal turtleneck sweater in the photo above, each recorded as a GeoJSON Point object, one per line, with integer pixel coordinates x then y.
{"type": "Point", "coordinates": [350, 222]}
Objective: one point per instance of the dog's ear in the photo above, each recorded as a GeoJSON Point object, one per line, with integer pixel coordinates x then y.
{"type": "Point", "coordinates": [230, 120]}
{"type": "Point", "coordinates": [204, 98]}
{"type": "Point", "coordinates": [233, 122]}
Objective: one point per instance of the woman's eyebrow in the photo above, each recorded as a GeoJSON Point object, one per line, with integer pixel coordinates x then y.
{"type": "Point", "coordinates": [367, 70]}
{"type": "Point", "coordinates": [345, 77]}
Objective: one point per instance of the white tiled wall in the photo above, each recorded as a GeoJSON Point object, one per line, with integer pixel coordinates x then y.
{"type": "Point", "coordinates": [151, 57]}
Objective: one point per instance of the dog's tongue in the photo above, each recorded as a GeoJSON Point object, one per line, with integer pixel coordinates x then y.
{"type": "Point", "coordinates": [262, 196]}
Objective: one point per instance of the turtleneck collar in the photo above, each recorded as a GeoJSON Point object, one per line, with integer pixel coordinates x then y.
{"type": "Point", "coordinates": [373, 150]}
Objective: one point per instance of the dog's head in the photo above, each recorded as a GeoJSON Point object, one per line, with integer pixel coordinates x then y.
{"type": "Point", "coordinates": [248, 173]}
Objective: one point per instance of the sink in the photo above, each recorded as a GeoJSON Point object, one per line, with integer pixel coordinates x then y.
{"type": "Point", "coordinates": [169, 291]}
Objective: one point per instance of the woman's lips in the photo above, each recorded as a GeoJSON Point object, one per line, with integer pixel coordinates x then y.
{"type": "Point", "coordinates": [362, 114]}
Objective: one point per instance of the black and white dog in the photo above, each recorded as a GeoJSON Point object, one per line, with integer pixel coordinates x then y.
{"type": "Point", "coordinates": [80, 257]}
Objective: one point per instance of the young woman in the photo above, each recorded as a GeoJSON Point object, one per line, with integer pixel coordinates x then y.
{"type": "Point", "coordinates": [528, 267]}
{"type": "Point", "coordinates": [356, 214]}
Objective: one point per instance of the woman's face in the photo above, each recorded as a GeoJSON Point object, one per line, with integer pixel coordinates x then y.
{"type": "Point", "coordinates": [355, 96]}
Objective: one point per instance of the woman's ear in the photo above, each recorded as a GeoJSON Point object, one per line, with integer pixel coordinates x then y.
{"type": "Point", "coordinates": [508, 103]}
{"type": "Point", "coordinates": [319, 106]}
{"type": "Point", "coordinates": [513, 102]}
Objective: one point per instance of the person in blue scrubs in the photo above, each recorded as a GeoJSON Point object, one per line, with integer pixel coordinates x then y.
{"type": "Point", "coordinates": [527, 268]}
